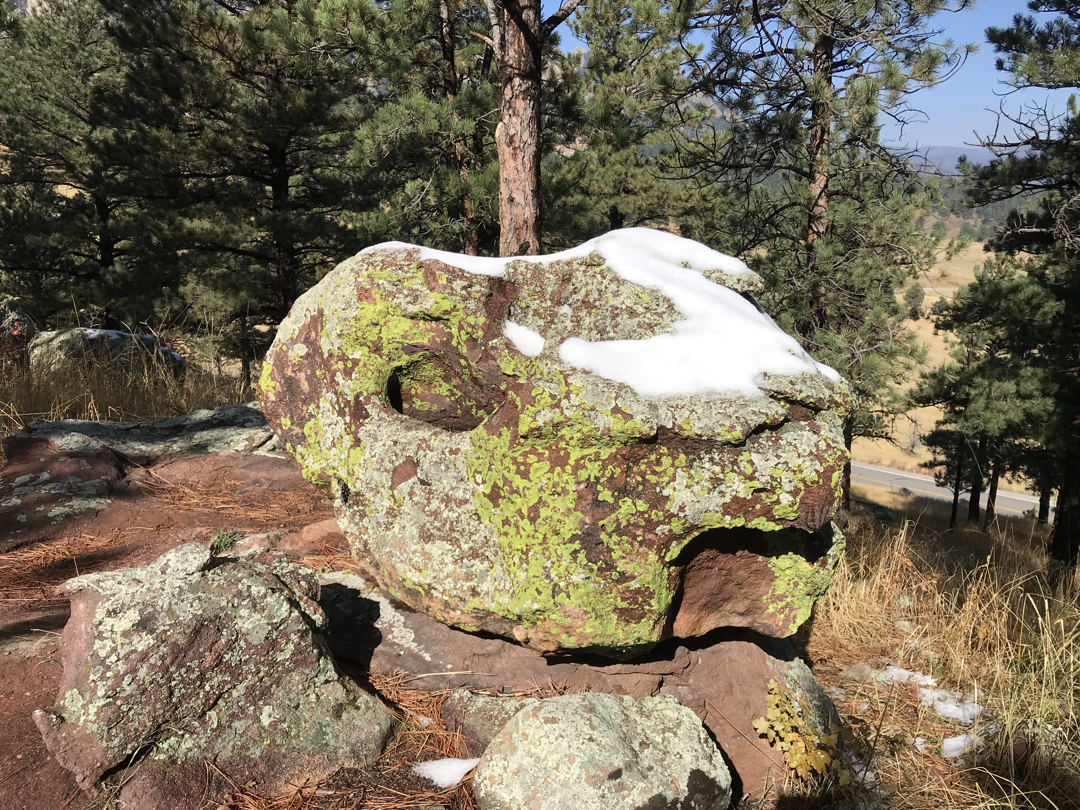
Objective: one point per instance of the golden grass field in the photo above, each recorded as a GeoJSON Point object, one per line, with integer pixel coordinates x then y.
{"type": "Point", "coordinates": [905, 451]}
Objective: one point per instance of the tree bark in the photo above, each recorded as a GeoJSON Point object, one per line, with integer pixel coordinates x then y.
{"type": "Point", "coordinates": [818, 154]}
{"type": "Point", "coordinates": [845, 484]}
{"type": "Point", "coordinates": [1044, 506]}
{"type": "Point", "coordinates": [991, 496]}
{"type": "Point", "coordinates": [518, 135]}
{"type": "Point", "coordinates": [1065, 537]}
{"type": "Point", "coordinates": [958, 482]}
{"type": "Point", "coordinates": [977, 473]}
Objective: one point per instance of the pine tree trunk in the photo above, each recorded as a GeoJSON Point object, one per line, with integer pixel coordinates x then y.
{"type": "Point", "coordinates": [1044, 506]}
{"type": "Point", "coordinates": [451, 87]}
{"type": "Point", "coordinates": [958, 482]}
{"type": "Point", "coordinates": [991, 496]}
{"type": "Point", "coordinates": [1065, 537]}
{"type": "Point", "coordinates": [977, 472]}
{"type": "Point", "coordinates": [845, 485]}
{"type": "Point", "coordinates": [818, 154]}
{"type": "Point", "coordinates": [518, 134]}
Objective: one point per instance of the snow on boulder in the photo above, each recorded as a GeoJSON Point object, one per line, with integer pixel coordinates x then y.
{"type": "Point", "coordinates": [595, 449]}
{"type": "Point", "coordinates": [602, 752]}
{"type": "Point", "coordinates": [51, 351]}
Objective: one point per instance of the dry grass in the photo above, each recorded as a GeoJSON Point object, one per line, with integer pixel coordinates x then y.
{"type": "Point", "coordinates": [108, 392]}
{"type": "Point", "coordinates": [989, 623]}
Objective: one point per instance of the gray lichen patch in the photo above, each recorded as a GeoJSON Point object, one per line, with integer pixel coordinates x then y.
{"type": "Point", "coordinates": [232, 428]}
{"type": "Point", "coordinates": [218, 659]}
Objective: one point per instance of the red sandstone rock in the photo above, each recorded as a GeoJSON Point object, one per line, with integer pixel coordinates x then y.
{"type": "Point", "coordinates": [723, 677]}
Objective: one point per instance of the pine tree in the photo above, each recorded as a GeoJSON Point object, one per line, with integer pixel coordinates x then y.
{"type": "Point", "coordinates": [1040, 155]}
{"type": "Point", "coordinates": [995, 394]}
{"type": "Point", "coordinates": [240, 116]}
{"type": "Point", "coordinates": [69, 229]}
{"type": "Point", "coordinates": [633, 110]}
{"type": "Point", "coordinates": [430, 147]}
{"type": "Point", "coordinates": [828, 215]}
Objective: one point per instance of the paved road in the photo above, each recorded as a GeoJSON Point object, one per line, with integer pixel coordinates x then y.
{"type": "Point", "coordinates": [1010, 503]}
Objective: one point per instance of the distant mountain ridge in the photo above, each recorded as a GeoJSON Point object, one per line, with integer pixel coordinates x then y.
{"type": "Point", "coordinates": [945, 158]}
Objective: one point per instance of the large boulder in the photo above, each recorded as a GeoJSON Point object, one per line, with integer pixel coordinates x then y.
{"type": "Point", "coordinates": [606, 752]}
{"type": "Point", "coordinates": [594, 449]}
{"type": "Point", "coordinates": [54, 350]}
{"type": "Point", "coordinates": [194, 659]}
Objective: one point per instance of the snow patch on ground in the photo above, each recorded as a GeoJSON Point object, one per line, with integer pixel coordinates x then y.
{"type": "Point", "coordinates": [445, 772]}
{"type": "Point", "coordinates": [724, 345]}
{"type": "Point", "coordinates": [900, 675]}
{"type": "Point", "coordinates": [953, 747]}
{"type": "Point", "coordinates": [951, 705]}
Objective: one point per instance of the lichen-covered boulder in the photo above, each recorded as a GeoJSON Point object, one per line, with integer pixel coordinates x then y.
{"type": "Point", "coordinates": [602, 751]}
{"type": "Point", "coordinates": [54, 350]}
{"type": "Point", "coordinates": [594, 449]}
{"type": "Point", "coordinates": [194, 659]}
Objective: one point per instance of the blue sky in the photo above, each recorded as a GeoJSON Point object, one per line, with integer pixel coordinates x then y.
{"type": "Point", "coordinates": [957, 109]}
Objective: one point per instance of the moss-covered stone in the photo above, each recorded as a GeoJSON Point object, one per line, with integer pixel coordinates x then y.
{"type": "Point", "coordinates": [519, 495]}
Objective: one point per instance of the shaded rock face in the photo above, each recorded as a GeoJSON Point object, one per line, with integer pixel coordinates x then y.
{"type": "Point", "coordinates": [602, 751]}
{"type": "Point", "coordinates": [506, 490]}
{"type": "Point", "coordinates": [723, 677]}
{"type": "Point", "coordinates": [194, 659]}
{"type": "Point", "coordinates": [16, 332]}
{"type": "Point", "coordinates": [52, 351]}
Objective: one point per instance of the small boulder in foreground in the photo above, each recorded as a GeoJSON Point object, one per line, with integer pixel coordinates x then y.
{"type": "Point", "coordinates": [603, 752]}
{"type": "Point", "coordinates": [194, 659]}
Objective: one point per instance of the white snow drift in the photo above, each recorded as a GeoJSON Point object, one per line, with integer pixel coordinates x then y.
{"type": "Point", "coordinates": [724, 344]}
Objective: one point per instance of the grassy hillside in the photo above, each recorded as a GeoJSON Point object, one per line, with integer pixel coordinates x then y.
{"type": "Point", "coordinates": [906, 452]}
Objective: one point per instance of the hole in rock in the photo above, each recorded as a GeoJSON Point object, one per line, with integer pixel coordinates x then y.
{"type": "Point", "coordinates": [436, 387]}
{"type": "Point", "coordinates": [393, 393]}
{"type": "Point", "coordinates": [811, 545]}
{"type": "Point", "coordinates": [723, 577]}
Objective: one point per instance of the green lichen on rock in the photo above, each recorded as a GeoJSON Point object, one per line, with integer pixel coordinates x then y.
{"type": "Point", "coordinates": [517, 494]}
{"type": "Point", "coordinates": [799, 583]}
{"type": "Point", "coordinates": [196, 658]}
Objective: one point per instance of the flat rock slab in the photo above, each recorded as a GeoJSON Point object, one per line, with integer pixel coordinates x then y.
{"type": "Point", "coordinates": [88, 495]}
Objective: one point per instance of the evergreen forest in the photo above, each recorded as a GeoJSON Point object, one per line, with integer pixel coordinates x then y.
{"type": "Point", "coordinates": [188, 168]}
